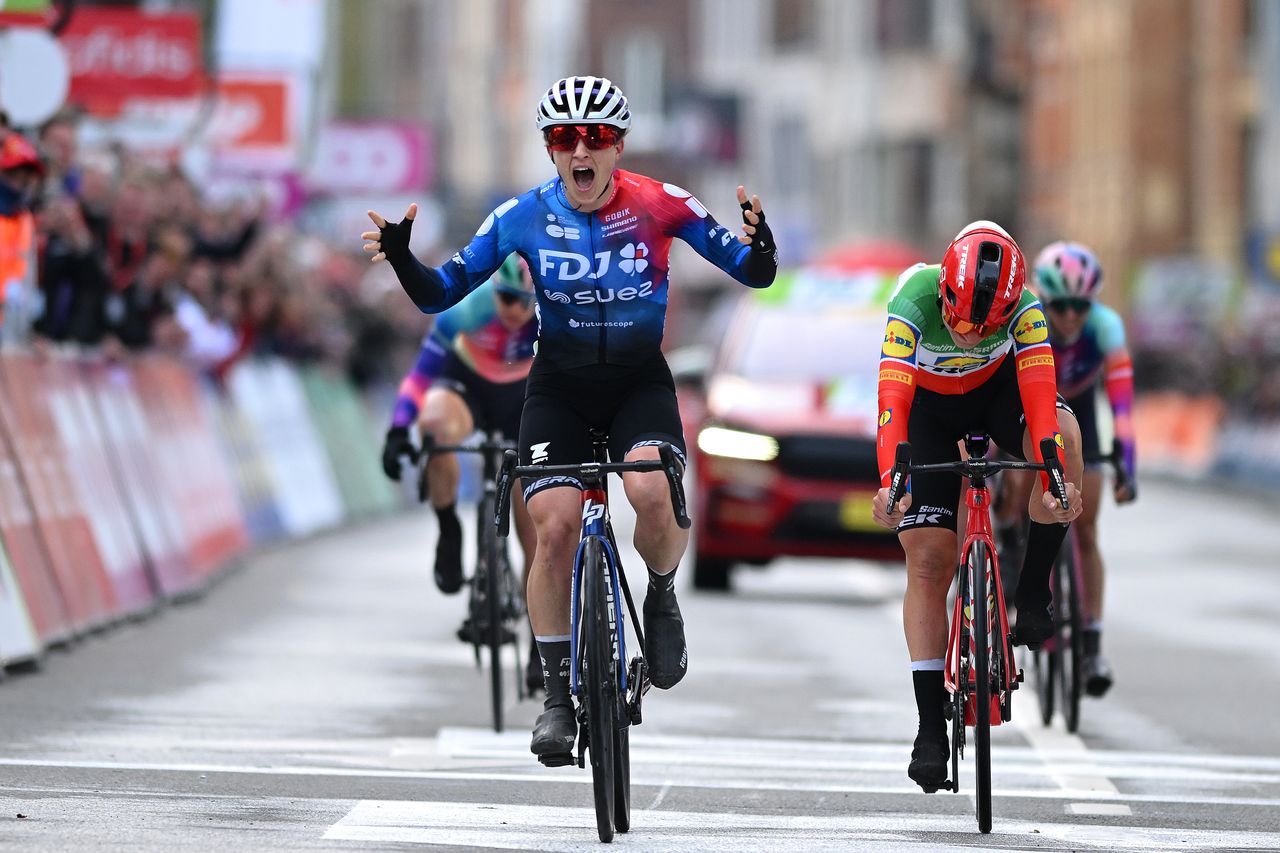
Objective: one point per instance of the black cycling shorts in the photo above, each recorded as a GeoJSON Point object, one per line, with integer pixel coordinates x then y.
{"type": "Point", "coordinates": [493, 405]}
{"type": "Point", "coordinates": [937, 424]}
{"type": "Point", "coordinates": [1086, 409]}
{"type": "Point", "coordinates": [634, 405]}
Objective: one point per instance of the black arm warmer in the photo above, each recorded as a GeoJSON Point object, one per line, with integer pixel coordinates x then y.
{"type": "Point", "coordinates": [425, 286]}
{"type": "Point", "coordinates": [761, 264]}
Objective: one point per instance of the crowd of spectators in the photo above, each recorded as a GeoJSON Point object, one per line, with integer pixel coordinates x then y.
{"type": "Point", "coordinates": [131, 258]}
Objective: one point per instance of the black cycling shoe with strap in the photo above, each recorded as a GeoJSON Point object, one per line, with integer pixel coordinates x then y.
{"type": "Point", "coordinates": [553, 736]}
{"type": "Point", "coordinates": [448, 568]}
{"type": "Point", "coordinates": [929, 760]}
{"type": "Point", "coordinates": [664, 647]}
{"type": "Point", "coordinates": [1035, 625]}
{"type": "Point", "coordinates": [1097, 674]}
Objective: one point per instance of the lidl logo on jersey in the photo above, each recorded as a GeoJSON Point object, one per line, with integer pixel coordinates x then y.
{"type": "Point", "coordinates": [886, 417]}
{"type": "Point", "coordinates": [1057, 439]}
{"type": "Point", "coordinates": [899, 340]}
{"type": "Point", "coordinates": [1032, 328]}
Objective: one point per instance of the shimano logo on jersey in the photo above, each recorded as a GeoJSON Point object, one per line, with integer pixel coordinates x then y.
{"type": "Point", "coordinates": [554, 230]}
{"type": "Point", "coordinates": [571, 266]}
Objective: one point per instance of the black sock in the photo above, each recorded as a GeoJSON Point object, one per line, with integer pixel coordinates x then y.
{"type": "Point", "coordinates": [447, 516]}
{"type": "Point", "coordinates": [662, 583]}
{"type": "Point", "coordinates": [1043, 542]}
{"type": "Point", "coordinates": [931, 696]}
{"type": "Point", "coordinates": [555, 672]}
{"type": "Point", "coordinates": [1092, 642]}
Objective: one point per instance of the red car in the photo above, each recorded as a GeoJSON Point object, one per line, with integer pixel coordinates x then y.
{"type": "Point", "coordinates": [784, 451]}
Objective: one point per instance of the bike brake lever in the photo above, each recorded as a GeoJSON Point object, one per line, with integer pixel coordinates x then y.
{"type": "Point", "coordinates": [898, 477]}
{"type": "Point", "coordinates": [673, 469]}
{"type": "Point", "coordinates": [1053, 466]}
{"type": "Point", "coordinates": [502, 517]}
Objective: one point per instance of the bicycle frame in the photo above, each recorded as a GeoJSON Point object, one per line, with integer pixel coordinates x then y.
{"type": "Point", "coordinates": [595, 524]}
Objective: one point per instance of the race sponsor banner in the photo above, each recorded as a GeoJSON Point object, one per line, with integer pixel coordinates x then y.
{"type": "Point", "coordinates": [249, 471]}
{"type": "Point", "coordinates": [270, 396]}
{"type": "Point", "coordinates": [26, 550]}
{"type": "Point", "coordinates": [18, 640]}
{"type": "Point", "coordinates": [192, 470]}
{"type": "Point", "coordinates": [122, 54]}
{"type": "Point", "coordinates": [347, 431]}
{"type": "Point", "coordinates": [81, 576]}
{"type": "Point", "coordinates": [96, 486]}
{"type": "Point", "coordinates": [124, 424]}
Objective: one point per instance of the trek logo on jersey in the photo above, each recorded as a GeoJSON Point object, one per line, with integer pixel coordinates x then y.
{"type": "Point", "coordinates": [899, 340]}
{"type": "Point", "coordinates": [886, 417]}
{"type": "Point", "coordinates": [633, 258]}
{"type": "Point", "coordinates": [957, 364]}
{"type": "Point", "coordinates": [890, 375]}
{"type": "Point", "coordinates": [1032, 328]}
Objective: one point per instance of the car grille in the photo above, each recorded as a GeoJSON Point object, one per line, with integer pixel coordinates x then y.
{"type": "Point", "coordinates": [823, 457]}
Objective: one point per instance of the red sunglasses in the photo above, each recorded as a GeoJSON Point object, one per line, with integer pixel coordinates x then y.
{"type": "Point", "coordinates": [564, 137]}
{"type": "Point", "coordinates": [964, 327]}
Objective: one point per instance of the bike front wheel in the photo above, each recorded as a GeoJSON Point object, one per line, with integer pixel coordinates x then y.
{"type": "Point", "coordinates": [600, 682]}
{"type": "Point", "coordinates": [1070, 631]}
{"type": "Point", "coordinates": [493, 563]}
{"type": "Point", "coordinates": [980, 579]}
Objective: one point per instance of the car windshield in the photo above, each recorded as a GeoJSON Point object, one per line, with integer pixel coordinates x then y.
{"type": "Point", "coordinates": [789, 344]}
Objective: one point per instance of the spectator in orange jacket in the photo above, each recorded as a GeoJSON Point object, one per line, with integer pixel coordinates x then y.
{"type": "Point", "coordinates": [20, 174]}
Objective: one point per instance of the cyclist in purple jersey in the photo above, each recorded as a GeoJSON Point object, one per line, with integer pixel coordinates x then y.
{"type": "Point", "coordinates": [596, 239]}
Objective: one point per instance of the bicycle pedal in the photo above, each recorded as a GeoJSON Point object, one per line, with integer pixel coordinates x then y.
{"type": "Point", "coordinates": [556, 759]}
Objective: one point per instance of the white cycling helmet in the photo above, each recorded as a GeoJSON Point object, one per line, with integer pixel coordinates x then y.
{"type": "Point", "coordinates": [584, 100]}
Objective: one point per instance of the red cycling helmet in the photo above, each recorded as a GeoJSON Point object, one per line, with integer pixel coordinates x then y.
{"type": "Point", "coordinates": [17, 153]}
{"type": "Point", "coordinates": [983, 273]}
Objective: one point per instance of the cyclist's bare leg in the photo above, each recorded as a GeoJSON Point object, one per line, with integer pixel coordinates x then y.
{"type": "Point", "coordinates": [658, 538]}
{"type": "Point", "coordinates": [661, 544]}
{"type": "Point", "coordinates": [446, 418]}
{"type": "Point", "coordinates": [556, 514]}
{"type": "Point", "coordinates": [931, 565]}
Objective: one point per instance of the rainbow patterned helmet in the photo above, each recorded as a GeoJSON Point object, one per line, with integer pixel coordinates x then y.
{"type": "Point", "coordinates": [1067, 271]}
{"type": "Point", "coordinates": [513, 277]}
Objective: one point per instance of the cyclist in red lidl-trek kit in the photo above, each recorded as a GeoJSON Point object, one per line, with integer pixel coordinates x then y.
{"type": "Point", "coordinates": [596, 239]}
{"type": "Point", "coordinates": [966, 348]}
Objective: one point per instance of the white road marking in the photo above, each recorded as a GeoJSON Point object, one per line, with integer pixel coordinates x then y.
{"type": "Point", "coordinates": [551, 828]}
{"type": "Point", "coordinates": [1054, 744]}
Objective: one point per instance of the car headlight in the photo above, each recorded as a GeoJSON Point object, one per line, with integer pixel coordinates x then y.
{"type": "Point", "coordinates": [738, 444]}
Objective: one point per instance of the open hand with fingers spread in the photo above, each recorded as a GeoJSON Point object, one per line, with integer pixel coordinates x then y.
{"type": "Point", "coordinates": [755, 232]}
{"type": "Point", "coordinates": [391, 238]}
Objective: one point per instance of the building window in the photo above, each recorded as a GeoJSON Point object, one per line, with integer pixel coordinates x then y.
{"type": "Point", "coordinates": [904, 24]}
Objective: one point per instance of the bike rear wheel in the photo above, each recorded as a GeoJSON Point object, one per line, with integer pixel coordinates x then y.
{"type": "Point", "coordinates": [493, 560]}
{"type": "Point", "coordinates": [622, 780]}
{"type": "Point", "coordinates": [980, 578]}
{"type": "Point", "coordinates": [600, 680]}
{"type": "Point", "coordinates": [1070, 631]}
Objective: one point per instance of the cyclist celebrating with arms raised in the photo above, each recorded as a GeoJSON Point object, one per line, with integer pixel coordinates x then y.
{"type": "Point", "coordinates": [966, 348]}
{"type": "Point", "coordinates": [597, 240]}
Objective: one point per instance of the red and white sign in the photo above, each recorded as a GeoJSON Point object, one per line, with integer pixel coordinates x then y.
{"type": "Point", "coordinates": [372, 157]}
{"type": "Point", "coordinates": [121, 54]}
{"type": "Point", "coordinates": [255, 123]}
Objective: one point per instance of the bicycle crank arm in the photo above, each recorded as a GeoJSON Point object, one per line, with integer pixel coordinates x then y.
{"type": "Point", "coordinates": [637, 686]}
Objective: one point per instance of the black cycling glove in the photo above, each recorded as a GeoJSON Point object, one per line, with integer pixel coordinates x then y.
{"type": "Point", "coordinates": [398, 444]}
{"type": "Point", "coordinates": [424, 285]}
{"type": "Point", "coordinates": [761, 264]}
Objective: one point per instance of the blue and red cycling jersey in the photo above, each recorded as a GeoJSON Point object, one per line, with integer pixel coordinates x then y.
{"type": "Point", "coordinates": [600, 277]}
{"type": "Point", "coordinates": [472, 332]}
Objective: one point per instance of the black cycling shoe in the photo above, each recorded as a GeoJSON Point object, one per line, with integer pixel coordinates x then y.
{"type": "Point", "coordinates": [533, 683]}
{"type": "Point", "coordinates": [449, 562]}
{"type": "Point", "coordinates": [477, 635]}
{"type": "Point", "coordinates": [1098, 677]}
{"type": "Point", "coordinates": [1035, 625]}
{"type": "Point", "coordinates": [929, 760]}
{"type": "Point", "coordinates": [664, 648]}
{"type": "Point", "coordinates": [553, 736]}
